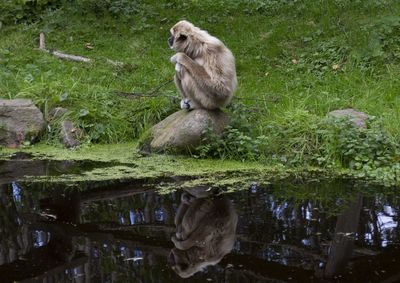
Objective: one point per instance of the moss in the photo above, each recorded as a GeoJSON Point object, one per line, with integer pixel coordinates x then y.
{"type": "Point", "coordinates": [129, 164]}
{"type": "Point", "coordinates": [122, 153]}
{"type": "Point", "coordinates": [144, 142]}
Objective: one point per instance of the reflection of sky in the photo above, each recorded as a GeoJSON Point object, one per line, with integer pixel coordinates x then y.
{"type": "Point", "coordinates": [308, 211]}
{"type": "Point", "coordinates": [121, 220]}
{"type": "Point", "coordinates": [16, 192]}
{"type": "Point", "coordinates": [96, 252]}
{"type": "Point", "coordinates": [385, 223]}
{"type": "Point", "coordinates": [160, 215]}
{"type": "Point", "coordinates": [136, 216]}
{"type": "Point", "coordinates": [278, 210]}
{"type": "Point", "coordinates": [306, 242]}
{"type": "Point", "coordinates": [40, 238]}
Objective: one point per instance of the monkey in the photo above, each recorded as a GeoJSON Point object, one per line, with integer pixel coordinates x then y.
{"type": "Point", "coordinates": [205, 72]}
{"type": "Point", "coordinates": [205, 232]}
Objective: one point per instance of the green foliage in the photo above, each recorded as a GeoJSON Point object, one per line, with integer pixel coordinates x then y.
{"type": "Point", "coordinates": [290, 140]}
{"type": "Point", "coordinates": [28, 11]}
{"type": "Point", "coordinates": [238, 140]}
{"type": "Point", "coordinates": [370, 151]}
{"type": "Point", "coordinates": [382, 41]}
{"type": "Point", "coordinates": [320, 59]}
{"type": "Point", "coordinates": [361, 148]}
{"type": "Point", "coordinates": [299, 138]}
{"type": "Point", "coordinates": [115, 8]}
{"type": "Point", "coordinates": [234, 144]}
{"type": "Point", "coordinates": [17, 11]}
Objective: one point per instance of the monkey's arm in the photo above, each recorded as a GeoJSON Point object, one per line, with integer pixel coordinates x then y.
{"type": "Point", "coordinates": [201, 77]}
{"type": "Point", "coordinates": [199, 238]}
{"type": "Point", "coordinates": [183, 207]}
{"type": "Point", "coordinates": [179, 85]}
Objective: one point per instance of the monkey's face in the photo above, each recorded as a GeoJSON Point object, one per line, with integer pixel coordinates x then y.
{"type": "Point", "coordinates": [179, 39]}
{"type": "Point", "coordinates": [188, 262]}
{"type": "Point", "coordinates": [178, 42]}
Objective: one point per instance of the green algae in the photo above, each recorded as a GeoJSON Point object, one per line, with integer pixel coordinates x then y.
{"type": "Point", "coordinates": [131, 165]}
{"type": "Point", "coordinates": [127, 164]}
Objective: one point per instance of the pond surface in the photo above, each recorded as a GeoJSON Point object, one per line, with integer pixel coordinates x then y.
{"type": "Point", "coordinates": [128, 232]}
{"type": "Point", "coordinates": [19, 166]}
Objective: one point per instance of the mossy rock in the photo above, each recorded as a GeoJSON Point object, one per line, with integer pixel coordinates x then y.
{"type": "Point", "coordinates": [20, 122]}
{"type": "Point", "coordinates": [182, 131]}
{"type": "Point", "coordinates": [357, 118]}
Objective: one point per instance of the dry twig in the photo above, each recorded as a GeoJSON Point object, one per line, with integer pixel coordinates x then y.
{"type": "Point", "coordinates": [65, 56]}
{"type": "Point", "coordinates": [58, 54]}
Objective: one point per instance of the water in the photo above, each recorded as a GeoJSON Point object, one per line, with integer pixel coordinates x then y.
{"type": "Point", "coordinates": [121, 232]}
{"type": "Point", "coordinates": [20, 166]}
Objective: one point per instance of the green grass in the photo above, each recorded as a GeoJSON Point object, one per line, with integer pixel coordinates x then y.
{"type": "Point", "coordinates": [292, 57]}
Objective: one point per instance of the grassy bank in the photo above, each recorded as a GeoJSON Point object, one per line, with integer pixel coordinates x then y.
{"type": "Point", "coordinates": [296, 61]}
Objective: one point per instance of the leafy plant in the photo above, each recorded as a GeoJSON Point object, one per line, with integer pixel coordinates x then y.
{"type": "Point", "coordinates": [324, 57]}
{"type": "Point", "coordinates": [237, 141]}
{"type": "Point", "coordinates": [17, 11]}
{"type": "Point", "coordinates": [362, 148]}
{"type": "Point", "coordinates": [299, 138]}
{"type": "Point", "coordinates": [115, 8]}
{"type": "Point", "coordinates": [381, 43]}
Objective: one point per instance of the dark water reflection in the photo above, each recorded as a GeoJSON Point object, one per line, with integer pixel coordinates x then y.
{"type": "Point", "coordinates": [20, 166]}
{"type": "Point", "coordinates": [122, 233]}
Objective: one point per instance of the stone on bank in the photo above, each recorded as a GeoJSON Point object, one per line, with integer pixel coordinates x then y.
{"type": "Point", "coordinates": [183, 131]}
{"type": "Point", "coordinates": [20, 122]}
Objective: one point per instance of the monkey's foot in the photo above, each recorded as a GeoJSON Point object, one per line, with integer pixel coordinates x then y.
{"type": "Point", "coordinates": [185, 104]}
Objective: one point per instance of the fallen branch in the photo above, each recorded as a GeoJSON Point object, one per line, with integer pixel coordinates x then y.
{"type": "Point", "coordinates": [65, 56]}
{"type": "Point", "coordinates": [70, 57]}
{"type": "Point", "coordinates": [58, 54]}
{"type": "Point", "coordinates": [42, 41]}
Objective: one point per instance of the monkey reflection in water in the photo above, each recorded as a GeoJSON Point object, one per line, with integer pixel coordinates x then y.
{"type": "Point", "coordinates": [205, 231]}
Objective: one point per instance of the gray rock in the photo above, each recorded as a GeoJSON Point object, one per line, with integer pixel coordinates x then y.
{"type": "Point", "coordinates": [358, 118]}
{"type": "Point", "coordinates": [20, 121]}
{"type": "Point", "coordinates": [183, 130]}
{"type": "Point", "coordinates": [69, 134]}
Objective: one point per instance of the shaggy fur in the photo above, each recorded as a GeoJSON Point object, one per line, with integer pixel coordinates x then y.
{"type": "Point", "coordinates": [205, 233]}
{"type": "Point", "coordinates": [205, 68]}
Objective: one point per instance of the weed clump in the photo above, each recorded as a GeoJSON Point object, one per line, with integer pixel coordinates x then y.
{"type": "Point", "coordinates": [302, 139]}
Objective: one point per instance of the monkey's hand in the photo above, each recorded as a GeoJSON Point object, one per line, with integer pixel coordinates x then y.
{"type": "Point", "coordinates": [178, 58]}
{"type": "Point", "coordinates": [178, 67]}
{"type": "Point", "coordinates": [173, 59]}
{"type": "Point", "coordinates": [176, 241]}
{"type": "Point", "coordinates": [182, 245]}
